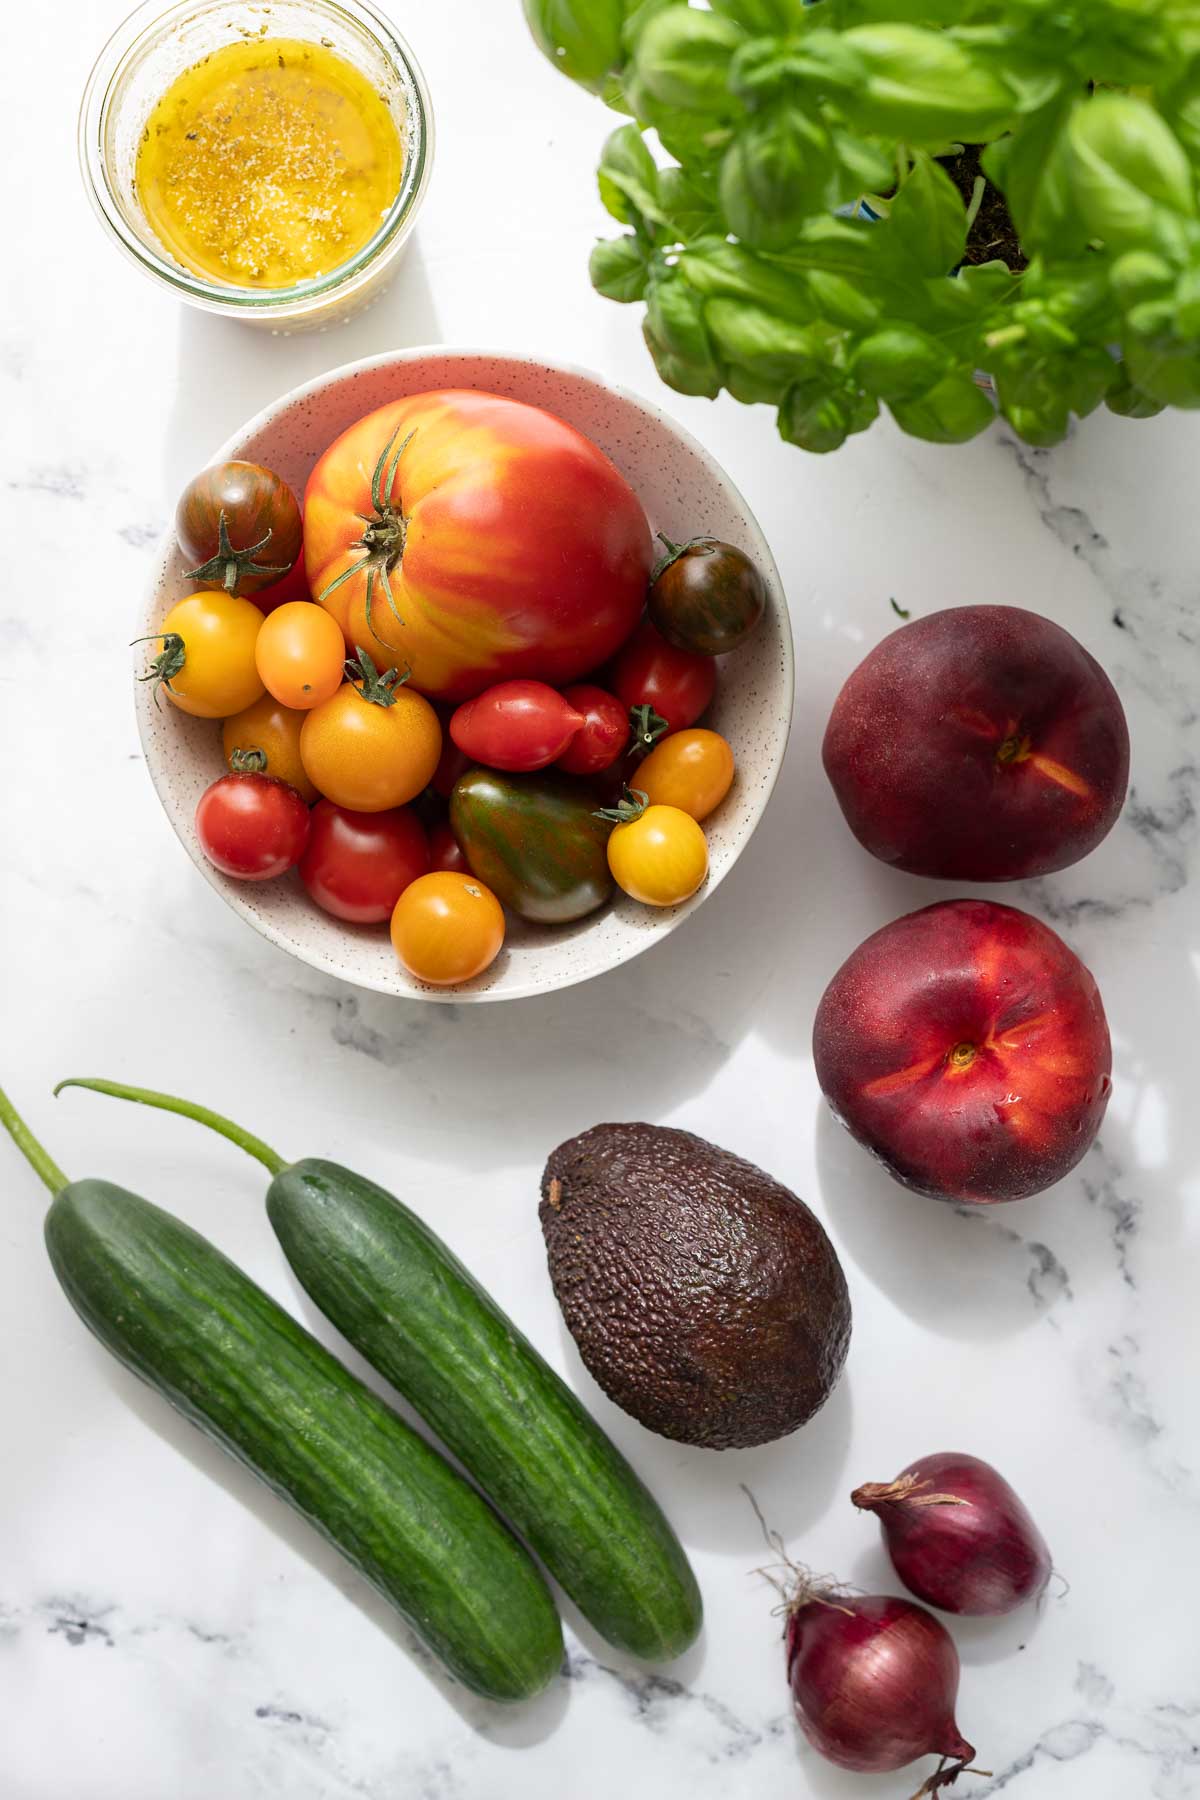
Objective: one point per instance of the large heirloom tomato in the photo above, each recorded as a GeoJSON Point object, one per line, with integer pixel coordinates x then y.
{"type": "Point", "coordinates": [473, 539]}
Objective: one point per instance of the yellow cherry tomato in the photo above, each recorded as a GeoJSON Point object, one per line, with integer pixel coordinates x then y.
{"type": "Point", "coordinates": [206, 663]}
{"type": "Point", "coordinates": [692, 770]}
{"type": "Point", "coordinates": [272, 732]}
{"type": "Point", "coordinates": [300, 654]}
{"type": "Point", "coordinates": [659, 856]}
{"type": "Point", "coordinates": [374, 745]}
{"type": "Point", "coordinates": [447, 928]}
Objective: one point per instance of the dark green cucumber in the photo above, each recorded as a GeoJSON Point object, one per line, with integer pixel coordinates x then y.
{"type": "Point", "coordinates": [418, 1316]}
{"type": "Point", "coordinates": [178, 1313]}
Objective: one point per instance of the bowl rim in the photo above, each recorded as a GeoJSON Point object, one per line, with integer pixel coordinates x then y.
{"type": "Point", "coordinates": [232, 448]}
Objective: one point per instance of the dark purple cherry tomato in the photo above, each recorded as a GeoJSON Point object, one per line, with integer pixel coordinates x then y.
{"type": "Point", "coordinates": [240, 525]}
{"type": "Point", "coordinates": [604, 734]}
{"type": "Point", "coordinates": [516, 726]}
{"type": "Point", "coordinates": [708, 598]}
{"type": "Point", "coordinates": [251, 826]}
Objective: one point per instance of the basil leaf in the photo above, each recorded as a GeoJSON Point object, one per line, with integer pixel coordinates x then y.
{"type": "Point", "coordinates": [682, 58]}
{"type": "Point", "coordinates": [773, 173]}
{"type": "Point", "coordinates": [580, 37]}
{"type": "Point", "coordinates": [954, 410]}
{"type": "Point", "coordinates": [628, 177]}
{"type": "Point", "coordinates": [619, 268]}
{"type": "Point", "coordinates": [922, 87]}
{"type": "Point", "coordinates": [928, 214]}
{"type": "Point", "coordinates": [753, 388]}
{"type": "Point", "coordinates": [1167, 372]}
{"type": "Point", "coordinates": [842, 301]}
{"type": "Point", "coordinates": [685, 208]}
{"type": "Point", "coordinates": [1130, 401]}
{"type": "Point", "coordinates": [760, 17]}
{"type": "Point", "coordinates": [868, 168]}
{"type": "Point", "coordinates": [815, 416]}
{"type": "Point", "coordinates": [1123, 164]}
{"type": "Point", "coordinates": [762, 342]}
{"type": "Point", "coordinates": [1030, 170]}
{"type": "Point", "coordinates": [899, 362]}
{"type": "Point", "coordinates": [717, 269]}
{"type": "Point", "coordinates": [678, 338]}
{"type": "Point", "coordinates": [768, 67]}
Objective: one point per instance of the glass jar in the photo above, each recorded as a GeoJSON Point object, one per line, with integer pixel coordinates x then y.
{"type": "Point", "coordinates": [154, 46]}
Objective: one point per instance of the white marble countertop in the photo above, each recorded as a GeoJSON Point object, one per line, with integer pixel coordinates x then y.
{"type": "Point", "coordinates": [165, 1627]}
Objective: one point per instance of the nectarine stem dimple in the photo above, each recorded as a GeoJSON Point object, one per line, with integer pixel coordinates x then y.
{"type": "Point", "coordinates": [1013, 749]}
{"type": "Point", "coordinates": [962, 1056]}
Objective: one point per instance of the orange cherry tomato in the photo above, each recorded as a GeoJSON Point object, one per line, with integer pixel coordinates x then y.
{"type": "Point", "coordinates": [447, 928]}
{"type": "Point", "coordinates": [300, 654]}
{"type": "Point", "coordinates": [271, 732]}
{"type": "Point", "coordinates": [692, 770]}
{"type": "Point", "coordinates": [373, 745]}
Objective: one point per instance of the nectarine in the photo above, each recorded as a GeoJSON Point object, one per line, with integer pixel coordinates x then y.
{"type": "Point", "coordinates": [966, 1047]}
{"type": "Point", "coordinates": [981, 743]}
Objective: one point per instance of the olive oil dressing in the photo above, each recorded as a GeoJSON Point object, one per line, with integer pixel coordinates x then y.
{"type": "Point", "coordinates": [268, 162]}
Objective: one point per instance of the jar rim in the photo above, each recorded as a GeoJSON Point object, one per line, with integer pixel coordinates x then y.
{"type": "Point", "coordinates": [149, 20]}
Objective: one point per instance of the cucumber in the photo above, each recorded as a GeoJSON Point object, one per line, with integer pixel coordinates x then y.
{"type": "Point", "coordinates": [178, 1313]}
{"type": "Point", "coordinates": [408, 1306]}
{"type": "Point", "coordinates": [395, 1291]}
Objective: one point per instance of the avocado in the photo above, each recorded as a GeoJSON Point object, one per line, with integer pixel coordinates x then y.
{"type": "Point", "coordinates": [704, 1298]}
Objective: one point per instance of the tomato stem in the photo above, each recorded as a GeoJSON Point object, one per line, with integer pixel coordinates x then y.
{"type": "Point", "coordinates": [189, 1109]}
{"type": "Point", "coordinates": [647, 727]}
{"type": "Point", "coordinates": [631, 806]}
{"type": "Point", "coordinates": [229, 565]}
{"type": "Point", "coordinates": [249, 762]}
{"type": "Point", "coordinates": [673, 553]}
{"type": "Point", "coordinates": [167, 663]}
{"type": "Point", "coordinates": [377, 689]}
{"type": "Point", "coordinates": [385, 530]}
{"type": "Point", "coordinates": [34, 1153]}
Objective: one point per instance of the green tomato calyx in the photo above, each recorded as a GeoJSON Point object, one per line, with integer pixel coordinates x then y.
{"type": "Point", "coordinates": [229, 565]}
{"type": "Point", "coordinates": [167, 663]}
{"type": "Point", "coordinates": [384, 533]}
{"type": "Point", "coordinates": [370, 685]}
{"type": "Point", "coordinates": [248, 762]}
{"type": "Point", "coordinates": [647, 727]}
{"type": "Point", "coordinates": [631, 806]}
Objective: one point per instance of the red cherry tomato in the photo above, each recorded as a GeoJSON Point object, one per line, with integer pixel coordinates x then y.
{"type": "Point", "coordinates": [515, 725]}
{"type": "Point", "coordinates": [678, 684]}
{"type": "Point", "coordinates": [453, 763]}
{"type": "Point", "coordinates": [358, 864]}
{"type": "Point", "coordinates": [602, 737]}
{"type": "Point", "coordinates": [251, 826]}
{"type": "Point", "coordinates": [444, 851]}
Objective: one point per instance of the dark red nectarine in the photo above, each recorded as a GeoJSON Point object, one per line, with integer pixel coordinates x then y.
{"type": "Point", "coordinates": [979, 744]}
{"type": "Point", "coordinates": [966, 1046]}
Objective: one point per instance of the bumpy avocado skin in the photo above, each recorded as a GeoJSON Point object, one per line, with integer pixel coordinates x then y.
{"type": "Point", "coordinates": [705, 1298]}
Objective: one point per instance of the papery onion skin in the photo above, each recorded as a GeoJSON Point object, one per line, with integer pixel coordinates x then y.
{"type": "Point", "coordinates": [874, 1680]}
{"type": "Point", "coordinates": [959, 1537]}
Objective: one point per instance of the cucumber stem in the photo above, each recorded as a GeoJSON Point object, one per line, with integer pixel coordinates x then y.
{"type": "Point", "coordinates": [203, 1115]}
{"type": "Point", "coordinates": [30, 1149]}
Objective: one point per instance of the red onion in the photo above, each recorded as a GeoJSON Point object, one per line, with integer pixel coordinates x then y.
{"type": "Point", "coordinates": [958, 1536]}
{"type": "Point", "coordinates": [874, 1681]}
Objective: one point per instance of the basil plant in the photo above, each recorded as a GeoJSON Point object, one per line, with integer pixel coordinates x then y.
{"type": "Point", "coordinates": [833, 205]}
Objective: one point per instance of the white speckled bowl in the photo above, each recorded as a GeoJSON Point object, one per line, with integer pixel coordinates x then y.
{"type": "Point", "coordinates": [683, 490]}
